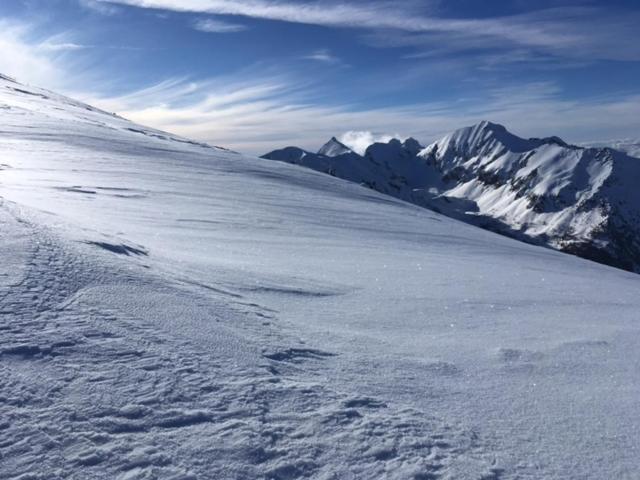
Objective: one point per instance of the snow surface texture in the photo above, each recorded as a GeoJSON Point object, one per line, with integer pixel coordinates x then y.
{"type": "Point", "coordinates": [176, 311]}
{"type": "Point", "coordinates": [579, 200]}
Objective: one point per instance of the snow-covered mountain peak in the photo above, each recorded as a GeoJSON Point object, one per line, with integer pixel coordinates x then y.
{"type": "Point", "coordinates": [488, 138]}
{"type": "Point", "coordinates": [483, 138]}
{"type": "Point", "coordinates": [334, 148]}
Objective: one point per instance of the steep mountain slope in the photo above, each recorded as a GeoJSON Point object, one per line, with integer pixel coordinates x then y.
{"type": "Point", "coordinates": [578, 200]}
{"type": "Point", "coordinates": [177, 311]}
{"type": "Point", "coordinates": [333, 148]}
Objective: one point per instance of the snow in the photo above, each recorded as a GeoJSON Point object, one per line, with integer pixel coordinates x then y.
{"type": "Point", "coordinates": [174, 310]}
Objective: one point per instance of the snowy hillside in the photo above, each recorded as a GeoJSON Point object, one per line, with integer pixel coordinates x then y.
{"type": "Point", "coordinates": [173, 310]}
{"type": "Point", "coordinates": [579, 200]}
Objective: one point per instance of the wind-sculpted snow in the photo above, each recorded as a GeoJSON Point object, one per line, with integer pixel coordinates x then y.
{"type": "Point", "coordinates": [578, 200]}
{"type": "Point", "coordinates": [174, 310]}
{"type": "Point", "coordinates": [94, 389]}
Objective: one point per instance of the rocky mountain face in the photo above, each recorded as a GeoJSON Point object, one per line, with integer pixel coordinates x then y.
{"type": "Point", "coordinates": [578, 200]}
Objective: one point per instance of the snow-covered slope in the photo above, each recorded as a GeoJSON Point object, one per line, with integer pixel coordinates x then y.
{"type": "Point", "coordinates": [177, 311]}
{"type": "Point", "coordinates": [578, 200]}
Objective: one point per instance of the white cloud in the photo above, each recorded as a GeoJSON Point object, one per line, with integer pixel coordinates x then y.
{"type": "Point", "coordinates": [576, 32]}
{"type": "Point", "coordinates": [61, 47]}
{"type": "Point", "coordinates": [210, 25]}
{"type": "Point", "coordinates": [24, 60]}
{"type": "Point", "coordinates": [323, 56]}
{"type": "Point", "coordinates": [359, 141]}
{"type": "Point", "coordinates": [374, 14]}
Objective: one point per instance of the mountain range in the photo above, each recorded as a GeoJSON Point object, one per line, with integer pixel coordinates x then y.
{"type": "Point", "coordinates": [580, 200]}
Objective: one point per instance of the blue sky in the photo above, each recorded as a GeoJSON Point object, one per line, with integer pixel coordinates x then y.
{"type": "Point", "coordinates": [254, 75]}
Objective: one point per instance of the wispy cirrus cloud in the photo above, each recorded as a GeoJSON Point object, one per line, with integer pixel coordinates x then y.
{"type": "Point", "coordinates": [323, 55]}
{"type": "Point", "coordinates": [213, 25]}
{"type": "Point", "coordinates": [254, 112]}
{"type": "Point", "coordinates": [583, 32]}
{"type": "Point", "coordinates": [265, 113]}
{"type": "Point", "coordinates": [61, 42]}
{"type": "Point", "coordinates": [61, 47]}
{"type": "Point", "coordinates": [373, 14]}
